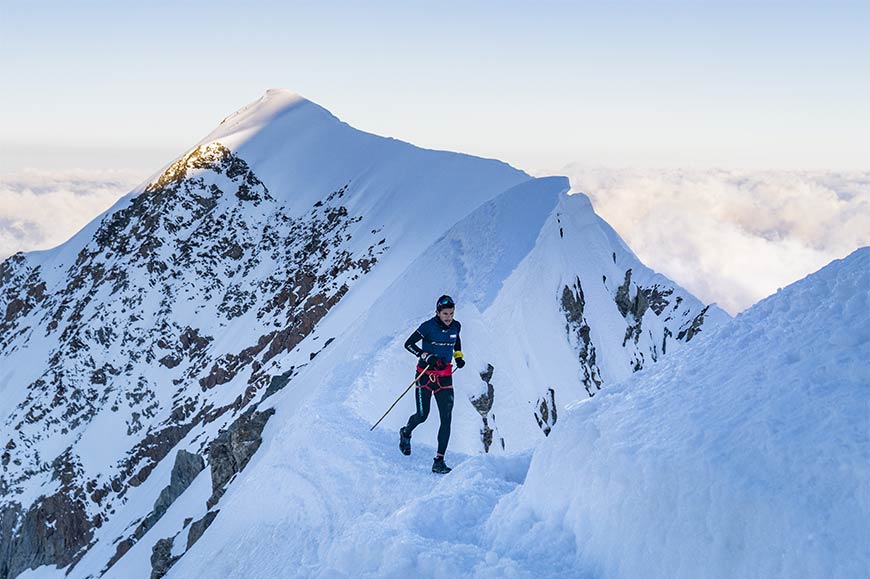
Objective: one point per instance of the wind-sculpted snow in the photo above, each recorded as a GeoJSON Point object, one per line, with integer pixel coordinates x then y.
{"type": "Point", "coordinates": [745, 456]}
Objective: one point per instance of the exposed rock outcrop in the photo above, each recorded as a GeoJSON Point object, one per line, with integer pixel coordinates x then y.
{"type": "Point", "coordinates": [483, 405]}
{"type": "Point", "coordinates": [230, 452]}
{"type": "Point", "coordinates": [635, 306]}
{"type": "Point", "coordinates": [22, 289]}
{"type": "Point", "coordinates": [545, 412]}
{"type": "Point", "coordinates": [632, 309]}
{"type": "Point", "coordinates": [689, 332]}
{"type": "Point", "coordinates": [277, 383]}
{"type": "Point", "coordinates": [54, 530]}
{"type": "Point", "coordinates": [161, 557]}
{"type": "Point", "coordinates": [658, 297]}
{"type": "Point", "coordinates": [198, 527]}
{"type": "Point", "coordinates": [578, 330]}
{"type": "Point", "coordinates": [187, 466]}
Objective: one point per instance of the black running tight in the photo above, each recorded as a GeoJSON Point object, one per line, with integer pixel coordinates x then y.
{"type": "Point", "coordinates": [423, 400]}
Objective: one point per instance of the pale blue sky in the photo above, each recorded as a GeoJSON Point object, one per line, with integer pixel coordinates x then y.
{"type": "Point", "coordinates": [539, 84]}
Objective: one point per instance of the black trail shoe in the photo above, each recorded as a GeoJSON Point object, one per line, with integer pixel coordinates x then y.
{"type": "Point", "coordinates": [404, 442]}
{"type": "Point", "coordinates": [439, 467]}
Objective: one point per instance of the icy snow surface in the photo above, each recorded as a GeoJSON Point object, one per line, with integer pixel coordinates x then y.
{"type": "Point", "coordinates": [744, 456]}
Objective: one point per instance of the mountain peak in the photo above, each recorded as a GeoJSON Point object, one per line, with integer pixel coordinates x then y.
{"type": "Point", "coordinates": [282, 93]}
{"type": "Point", "coordinates": [280, 98]}
{"type": "Point", "coordinates": [274, 104]}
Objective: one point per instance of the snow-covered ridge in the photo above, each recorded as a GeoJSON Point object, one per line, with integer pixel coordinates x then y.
{"type": "Point", "coordinates": [178, 344]}
{"type": "Point", "coordinates": [745, 456]}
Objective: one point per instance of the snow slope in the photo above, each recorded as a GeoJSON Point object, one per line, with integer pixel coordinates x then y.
{"type": "Point", "coordinates": [742, 456]}
{"type": "Point", "coordinates": [747, 455]}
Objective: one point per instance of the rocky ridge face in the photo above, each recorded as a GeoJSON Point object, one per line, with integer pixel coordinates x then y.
{"type": "Point", "coordinates": [577, 328]}
{"type": "Point", "coordinates": [202, 252]}
{"type": "Point", "coordinates": [645, 340]}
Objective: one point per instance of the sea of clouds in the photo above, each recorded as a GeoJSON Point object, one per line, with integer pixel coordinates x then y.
{"type": "Point", "coordinates": [730, 237]}
{"type": "Point", "coordinates": [42, 209]}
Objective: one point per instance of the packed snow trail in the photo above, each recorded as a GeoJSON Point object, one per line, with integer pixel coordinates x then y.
{"type": "Point", "coordinates": [325, 497]}
{"type": "Point", "coordinates": [360, 508]}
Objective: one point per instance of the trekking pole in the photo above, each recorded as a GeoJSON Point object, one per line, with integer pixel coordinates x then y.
{"type": "Point", "coordinates": [400, 397]}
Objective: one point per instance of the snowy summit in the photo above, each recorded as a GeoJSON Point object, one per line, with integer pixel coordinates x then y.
{"type": "Point", "coordinates": [188, 384]}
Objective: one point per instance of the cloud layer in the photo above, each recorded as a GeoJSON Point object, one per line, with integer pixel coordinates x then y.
{"type": "Point", "coordinates": [729, 237]}
{"type": "Point", "coordinates": [732, 237]}
{"type": "Point", "coordinates": [40, 209]}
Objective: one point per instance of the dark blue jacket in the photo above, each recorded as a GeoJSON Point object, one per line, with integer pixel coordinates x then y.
{"type": "Point", "coordinates": [437, 339]}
